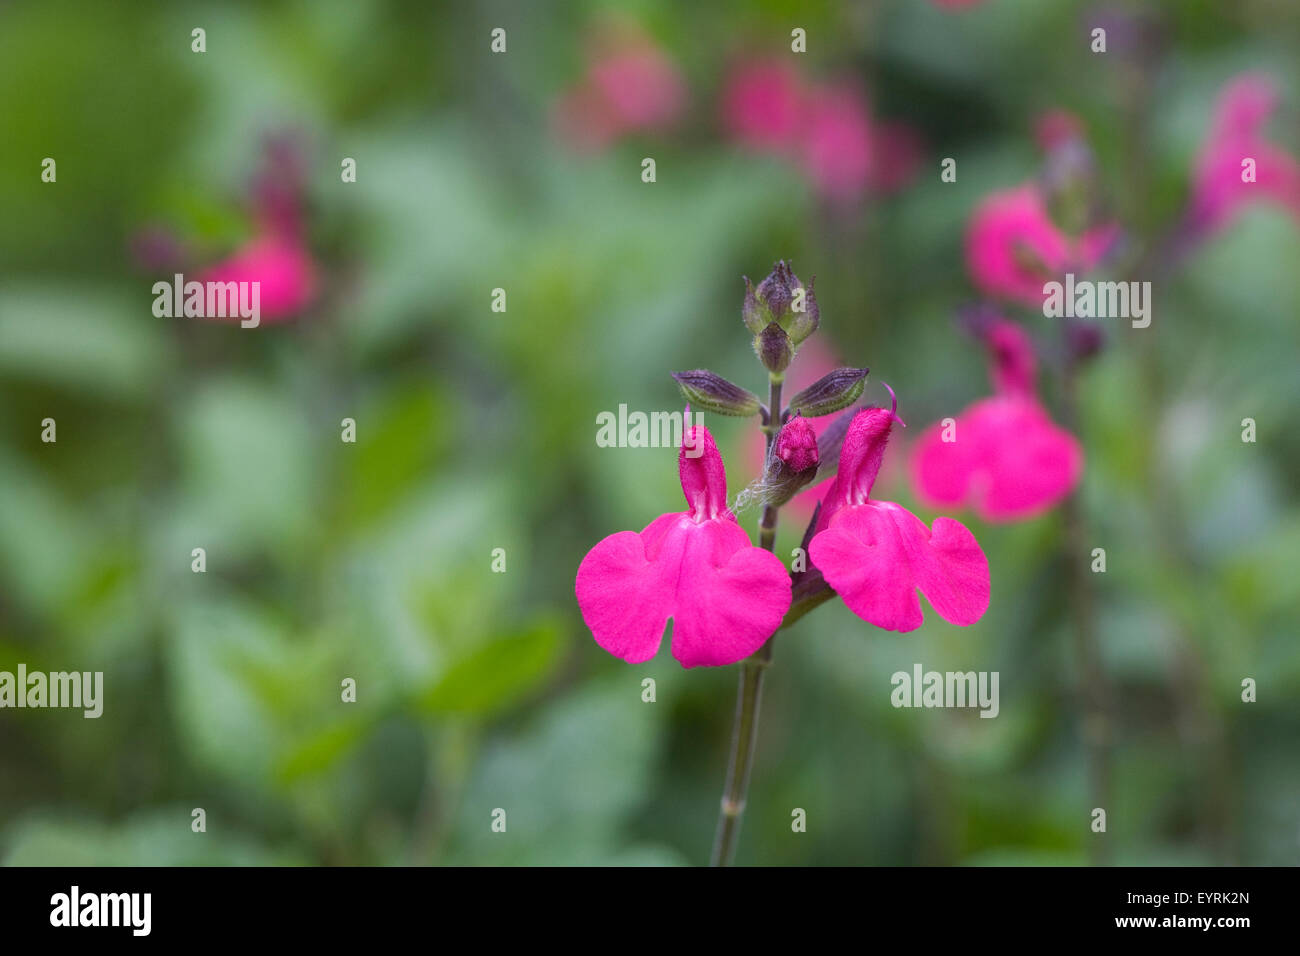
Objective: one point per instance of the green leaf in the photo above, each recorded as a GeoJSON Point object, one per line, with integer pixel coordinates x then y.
{"type": "Point", "coordinates": [160, 837]}
{"type": "Point", "coordinates": [566, 784]}
{"type": "Point", "coordinates": [497, 673]}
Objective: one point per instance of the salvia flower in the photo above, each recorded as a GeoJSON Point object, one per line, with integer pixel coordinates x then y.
{"type": "Point", "coordinates": [282, 267]}
{"type": "Point", "coordinates": [276, 256]}
{"type": "Point", "coordinates": [762, 105]}
{"type": "Point", "coordinates": [1237, 134]}
{"type": "Point", "coordinates": [1003, 456]}
{"type": "Point", "coordinates": [826, 129]}
{"type": "Point", "coordinates": [725, 596]}
{"type": "Point", "coordinates": [877, 554]}
{"type": "Point", "coordinates": [630, 86]}
{"type": "Point", "coordinates": [1013, 247]}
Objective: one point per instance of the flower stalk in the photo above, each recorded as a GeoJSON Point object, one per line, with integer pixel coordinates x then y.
{"type": "Point", "coordinates": [749, 695]}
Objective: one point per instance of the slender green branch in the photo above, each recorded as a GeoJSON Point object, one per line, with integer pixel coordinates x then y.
{"type": "Point", "coordinates": [1095, 689]}
{"type": "Point", "coordinates": [809, 593]}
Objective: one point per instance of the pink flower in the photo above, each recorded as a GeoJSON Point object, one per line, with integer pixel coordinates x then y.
{"type": "Point", "coordinates": [1236, 134]}
{"type": "Point", "coordinates": [876, 554]}
{"type": "Point", "coordinates": [837, 142]}
{"type": "Point", "coordinates": [1005, 458]}
{"type": "Point", "coordinates": [276, 256]}
{"type": "Point", "coordinates": [283, 268]}
{"type": "Point", "coordinates": [762, 105]}
{"type": "Point", "coordinates": [725, 596]}
{"type": "Point", "coordinates": [827, 130]}
{"type": "Point", "coordinates": [629, 87]}
{"type": "Point", "coordinates": [1013, 247]}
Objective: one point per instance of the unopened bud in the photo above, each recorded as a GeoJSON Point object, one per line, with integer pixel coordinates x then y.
{"type": "Point", "coordinates": [792, 463]}
{"type": "Point", "coordinates": [774, 348]}
{"type": "Point", "coordinates": [840, 389]}
{"type": "Point", "coordinates": [714, 393]}
{"type": "Point", "coordinates": [796, 445]}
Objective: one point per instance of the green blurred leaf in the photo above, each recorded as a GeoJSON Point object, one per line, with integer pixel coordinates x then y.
{"type": "Point", "coordinates": [160, 837]}
{"type": "Point", "coordinates": [496, 674]}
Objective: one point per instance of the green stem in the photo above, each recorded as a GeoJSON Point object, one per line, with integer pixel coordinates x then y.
{"type": "Point", "coordinates": [744, 735]}
{"type": "Point", "coordinates": [1095, 689]}
{"type": "Point", "coordinates": [807, 596]}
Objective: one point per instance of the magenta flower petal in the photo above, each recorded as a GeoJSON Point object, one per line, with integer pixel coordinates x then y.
{"type": "Point", "coordinates": [877, 554]}
{"type": "Point", "coordinates": [624, 597]}
{"type": "Point", "coordinates": [1009, 461]}
{"type": "Point", "coordinates": [731, 596]}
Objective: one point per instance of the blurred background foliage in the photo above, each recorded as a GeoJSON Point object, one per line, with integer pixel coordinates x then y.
{"type": "Point", "coordinates": [476, 430]}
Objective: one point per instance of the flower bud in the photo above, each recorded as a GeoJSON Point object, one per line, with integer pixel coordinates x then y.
{"type": "Point", "coordinates": [840, 389]}
{"type": "Point", "coordinates": [774, 348]}
{"type": "Point", "coordinates": [783, 299]}
{"type": "Point", "coordinates": [714, 393]}
{"type": "Point", "coordinates": [777, 291]}
{"type": "Point", "coordinates": [792, 463]}
{"type": "Point", "coordinates": [796, 445]}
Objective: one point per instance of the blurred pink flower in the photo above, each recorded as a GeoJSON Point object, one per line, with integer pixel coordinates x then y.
{"type": "Point", "coordinates": [1005, 458]}
{"type": "Point", "coordinates": [761, 105]}
{"type": "Point", "coordinates": [276, 256]}
{"type": "Point", "coordinates": [1013, 247]}
{"type": "Point", "coordinates": [629, 86]}
{"type": "Point", "coordinates": [827, 130]}
{"type": "Point", "coordinates": [1236, 134]}
{"type": "Point", "coordinates": [282, 266]}
{"type": "Point", "coordinates": [837, 142]}
{"type": "Point", "coordinates": [725, 596]}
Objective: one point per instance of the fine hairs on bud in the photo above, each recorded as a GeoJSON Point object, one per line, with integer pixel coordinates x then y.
{"type": "Point", "coordinates": [782, 478]}
{"type": "Point", "coordinates": [764, 489]}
